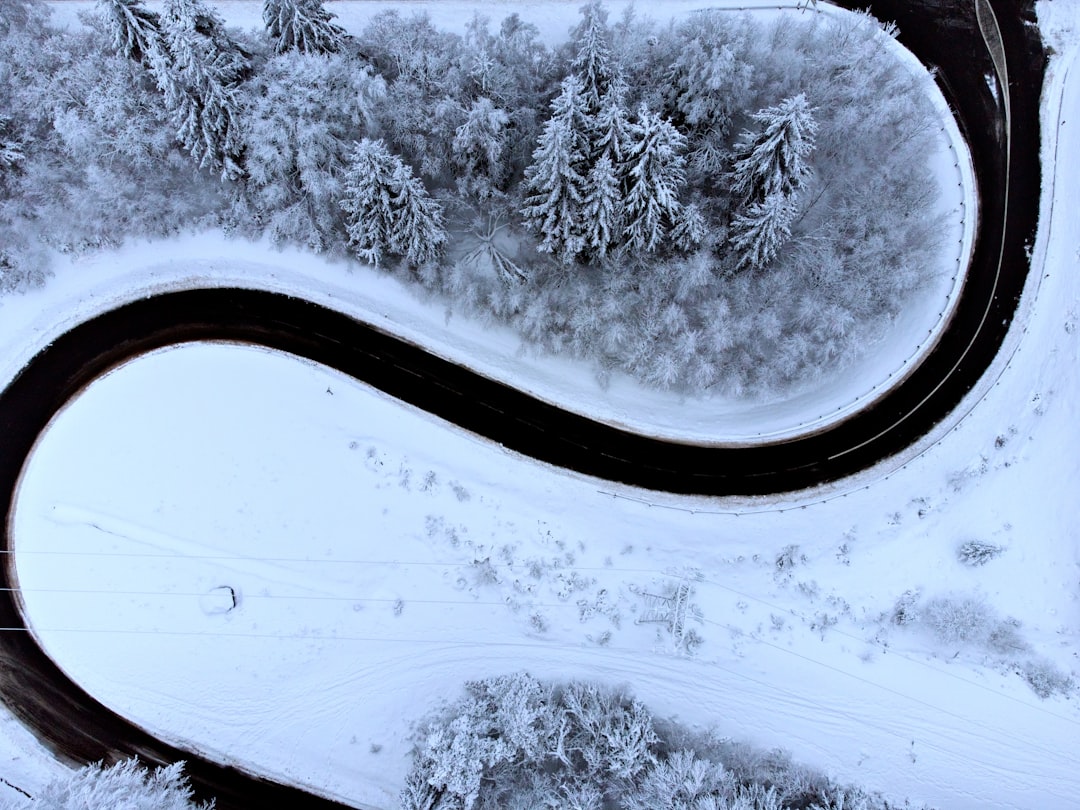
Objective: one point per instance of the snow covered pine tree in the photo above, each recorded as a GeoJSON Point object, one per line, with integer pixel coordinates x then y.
{"type": "Point", "coordinates": [556, 181]}
{"type": "Point", "coordinates": [770, 169]}
{"type": "Point", "coordinates": [302, 25]}
{"type": "Point", "coordinates": [387, 209]}
{"type": "Point", "coordinates": [655, 174]}
{"type": "Point", "coordinates": [136, 29]}
{"type": "Point", "coordinates": [205, 68]}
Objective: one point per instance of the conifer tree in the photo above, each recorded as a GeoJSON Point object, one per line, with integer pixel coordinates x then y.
{"type": "Point", "coordinates": [200, 79]}
{"type": "Point", "coordinates": [387, 209]}
{"type": "Point", "coordinates": [593, 63]}
{"type": "Point", "coordinates": [136, 29]}
{"type": "Point", "coordinates": [655, 172]}
{"type": "Point", "coordinates": [556, 181]}
{"type": "Point", "coordinates": [770, 169]}
{"type": "Point", "coordinates": [302, 25]}
{"type": "Point", "coordinates": [773, 160]}
{"type": "Point", "coordinates": [760, 231]}
{"type": "Point", "coordinates": [603, 207]}
{"type": "Point", "coordinates": [611, 130]}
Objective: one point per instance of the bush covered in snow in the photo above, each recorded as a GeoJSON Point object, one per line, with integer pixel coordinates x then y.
{"type": "Point", "coordinates": [968, 622]}
{"type": "Point", "coordinates": [710, 203]}
{"type": "Point", "coordinates": [978, 552]}
{"type": "Point", "coordinates": [127, 785]}
{"type": "Point", "coordinates": [515, 743]}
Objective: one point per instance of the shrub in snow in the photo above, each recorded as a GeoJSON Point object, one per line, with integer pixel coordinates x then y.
{"type": "Point", "coordinates": [512, 743]}
{"type": "Point", "coordinates": [978, 552]}
{"type": "Point", "coordinates": [958, 618]}
{"type": "Point", "coordinates": [906, 609]}
{"type": "Point", "coordinates": [128, 785]}
{"type": "Point", "coordinates": [1045, 679]}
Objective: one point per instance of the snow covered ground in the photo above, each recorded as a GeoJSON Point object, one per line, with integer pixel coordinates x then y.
{"type": "Point", "coordinates": [380, 557]}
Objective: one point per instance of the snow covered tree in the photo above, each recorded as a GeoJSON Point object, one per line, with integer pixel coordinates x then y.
{"type": "Point", "coordinates": [593, 63]}
{"type": "Point", "coordinates": [205, 67]}
{"type": "Point", "coordinates": [758, 232]}
{"type": "Point", "coordinates": [303, 25]}
{"type": "Point", "coordinates": [556, 181]}
{"type": "Point", "coordinates": [773, 160]}
{"type": "Point", "coordinates": [136, 30]}
{"type": "Point", "coordinates": [11, 149]}
{"type": "Point", "coordinates": [770, 169]}
{"type": "Point", "coordinates": [387, 209]}
{"type": "Point", "coordinates": [611, 130]}
{"type": "Point", "coordinates": [603, 208]}
{"type": "Point", "coordinates": [655, 172]}
{"type": "Point", "coordinates": [301, 116]}
{"type": "Point", "coordinates": [688, 230]}
{"type": "Point", "coordinates": [706, 81]}
{"type": "Point", "coordinates": [127, 784]}
{"type": "Point", "coordinates": [478, 149]}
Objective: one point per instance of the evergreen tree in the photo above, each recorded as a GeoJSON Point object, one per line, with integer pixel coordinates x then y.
{"type": "Point", "coordinates": [556, 181]}
{"type": "Point", "coordinates": [773, 160]}
{"type": "Point", "coordinates": [593, 63]}
{"type": "Point", "coordinates": [770, 169]}
{"type": "Point", "coordinates": [760, 231]}
{"type": "Point", "coordinates": [611, 131]}
{"type": "Point", "coordinates": [303, 25]}
{"type": "Point", "coordinates": [655, 172]}
{"type": "Point", "coordinates": [204, 69]}
{"type": "Point", "coordinates": [387, 209]}
{"type": "Point", "coordinates": [478, 149]}
{"type": "Point", "coordinates": [136, 30]}
{"type": "Point", "coordinates": [603, 208]}
{"type": "Point", "coordinates": [688, 229]}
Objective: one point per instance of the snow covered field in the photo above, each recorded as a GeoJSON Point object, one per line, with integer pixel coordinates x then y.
{"type": "Point", "coordinates": [381, 557]}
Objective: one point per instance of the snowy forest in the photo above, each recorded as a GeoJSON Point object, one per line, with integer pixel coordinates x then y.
{"type": "Point", "coordinates": [515, 743]}
{"type": "Point", "coordinates": [713, 203]}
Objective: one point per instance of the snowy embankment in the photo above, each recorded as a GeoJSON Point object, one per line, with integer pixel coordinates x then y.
{"type": "Point", "coordinates": [381, 557]}
{"type": "Point", "coordinates": [100, 282]}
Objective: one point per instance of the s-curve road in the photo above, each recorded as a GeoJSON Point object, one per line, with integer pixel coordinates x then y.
{"type": "Point", "coordinates": [968, 41]}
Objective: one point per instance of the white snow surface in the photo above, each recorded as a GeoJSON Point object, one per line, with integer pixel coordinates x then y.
{"type": "Point", "coordinates": [354, 532]}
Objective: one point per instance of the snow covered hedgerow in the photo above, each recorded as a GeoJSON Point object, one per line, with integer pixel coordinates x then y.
{"type": "Point", "coordinates": [514, 743]}
{"type": "Point", "coordinates": [127, 785]}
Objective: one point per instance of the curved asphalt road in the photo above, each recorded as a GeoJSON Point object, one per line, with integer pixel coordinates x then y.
{"type": "Point", "coordinates": [944, 33]}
